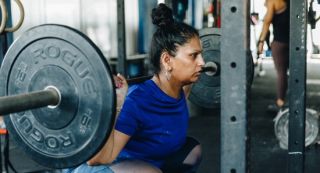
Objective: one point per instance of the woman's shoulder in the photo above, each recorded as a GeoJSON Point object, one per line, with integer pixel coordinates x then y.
{"type": "Point", "coordinates": [141, 89]}
{"type": "Point", "coordinates": [279, 5]}
{"type": "Point", "coordinates": [277, 1]}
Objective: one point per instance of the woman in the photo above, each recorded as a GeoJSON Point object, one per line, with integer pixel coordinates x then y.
{"type": "Point", "coordinates": [150, 130]}
{"type": "Point", "coordinates": [278, 15]}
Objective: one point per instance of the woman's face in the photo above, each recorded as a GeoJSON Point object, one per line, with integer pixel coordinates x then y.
{"type": "Point", "coordinates": [187, 63]}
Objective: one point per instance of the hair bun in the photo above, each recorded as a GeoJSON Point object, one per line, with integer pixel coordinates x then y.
{"type": "Point", "coordinates": [162, 15]}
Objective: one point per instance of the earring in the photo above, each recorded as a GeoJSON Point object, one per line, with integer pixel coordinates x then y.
{"type": "Point", "coordinates": [168, 75]}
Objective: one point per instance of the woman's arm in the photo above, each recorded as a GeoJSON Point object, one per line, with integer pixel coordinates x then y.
{"type": "Point", "coordinates": [111, 149]}
{"type": "Point", "coordinates": [116, 140]}
{"type": "Point", "coordinates": [266, 24]}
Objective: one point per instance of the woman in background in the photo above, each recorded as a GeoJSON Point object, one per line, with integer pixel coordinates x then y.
{"type": "Point", "coordinates": [278, 14]}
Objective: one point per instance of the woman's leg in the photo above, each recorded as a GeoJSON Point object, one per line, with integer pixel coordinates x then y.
{"type": "Point", "coordinates": [89, 169]}
{"type": "Point", "coordinates": [280, 54]}
{"type": "Point", "coordinates": [134, 166]}
{"type": "Point", "coordinates": [125, 166]}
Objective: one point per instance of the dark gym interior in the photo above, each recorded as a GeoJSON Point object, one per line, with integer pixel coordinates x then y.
{"type": "Point", "coordinates": [127, 52]}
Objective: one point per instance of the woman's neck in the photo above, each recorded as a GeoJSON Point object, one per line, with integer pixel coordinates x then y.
{"type": "Point", "coordinates": [168, 86]}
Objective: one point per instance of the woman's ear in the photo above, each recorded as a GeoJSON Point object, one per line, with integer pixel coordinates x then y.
{"type": "Point", "coordinates": [166, 61]}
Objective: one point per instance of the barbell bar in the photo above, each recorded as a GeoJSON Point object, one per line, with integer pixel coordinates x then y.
{"type": "Point", "coordinates": [51, 96]}
{"type": "Point", "coordinates": [22, 102]}
{"type": "Point", "coordinates": [132, 81]}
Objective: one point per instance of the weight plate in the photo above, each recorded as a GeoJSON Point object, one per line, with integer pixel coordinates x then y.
{"type": "Point", "coordinates": [61, 57]}
{"type": "Point", "coordinates": [281, 124]}
{"type": "Point", "coordinates": [206, 91]}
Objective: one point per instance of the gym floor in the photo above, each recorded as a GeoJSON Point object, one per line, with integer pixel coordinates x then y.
{"type": "Point", "coordinates": [264, 153]}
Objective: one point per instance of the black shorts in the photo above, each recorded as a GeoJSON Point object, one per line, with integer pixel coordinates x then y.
{"type": "Point", "coordinates": [174, 163]}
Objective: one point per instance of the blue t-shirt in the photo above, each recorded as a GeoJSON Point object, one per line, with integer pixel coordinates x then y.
{"type": "Point", "coordinates": [156, 122]}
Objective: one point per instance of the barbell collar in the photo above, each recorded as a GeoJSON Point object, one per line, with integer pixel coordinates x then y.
{"type": "Point", "coordinates": [208, 69]}
{"type": "Point", "coordinates": [32, 100]}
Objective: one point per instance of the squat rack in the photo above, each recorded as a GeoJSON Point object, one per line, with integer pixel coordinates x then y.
{"type": "Point", "coordinates": [234, 91]}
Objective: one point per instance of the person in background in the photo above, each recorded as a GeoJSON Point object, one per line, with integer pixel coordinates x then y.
{"type": "Point", "coordinates": [278, 14]}
{"type": "Point", "coordinates": [267, 39]}
{"type": "Point", "coordinates": [150, 131]}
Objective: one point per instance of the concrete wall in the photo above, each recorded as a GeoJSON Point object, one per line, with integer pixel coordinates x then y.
{"type": "Point", "coordinates": [97, 19]}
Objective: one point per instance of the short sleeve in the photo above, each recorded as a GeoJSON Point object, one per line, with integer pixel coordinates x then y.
{"type": "Point", "coordinates": [127, 122]}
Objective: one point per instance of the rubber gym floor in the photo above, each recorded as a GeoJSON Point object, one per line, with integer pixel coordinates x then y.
{"type": "Point", "coordinates": [264, 153]}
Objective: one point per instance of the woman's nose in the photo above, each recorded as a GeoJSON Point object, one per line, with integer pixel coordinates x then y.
{"type": "Point", "coordinates": [201, 61]}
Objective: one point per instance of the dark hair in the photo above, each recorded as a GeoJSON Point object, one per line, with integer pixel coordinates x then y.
{"type": "Point", "coordinates": [168, 35]}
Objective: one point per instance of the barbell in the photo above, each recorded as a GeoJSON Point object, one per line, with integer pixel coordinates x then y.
{"type": "Point", "coordinates": [58, 92]}
{"type": "Point", "coordinates": [51, 96]}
